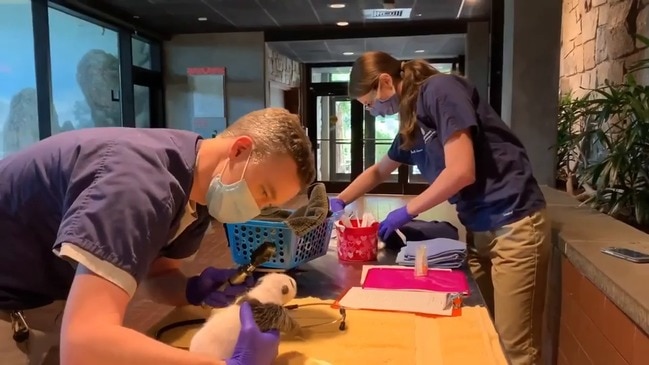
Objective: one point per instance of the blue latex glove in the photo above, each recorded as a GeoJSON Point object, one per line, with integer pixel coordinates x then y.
{"type": "Point", "coordinates": [394, 221]}
{"type": "Point", "coordinates": [253, 346]}
{"type": "Point", "coordinates": [203, 288]}
{"type": "Point", "coordinates": [336, 205]}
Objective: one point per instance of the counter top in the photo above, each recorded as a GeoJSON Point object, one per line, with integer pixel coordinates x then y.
{"type": "Point", "coordinates": [581, 233]}
{"type": "Point", "coordinates": [413, 339]}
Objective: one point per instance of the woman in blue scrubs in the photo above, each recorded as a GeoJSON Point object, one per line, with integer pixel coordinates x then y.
{"type": "Point", "coordinates": [473, 160]}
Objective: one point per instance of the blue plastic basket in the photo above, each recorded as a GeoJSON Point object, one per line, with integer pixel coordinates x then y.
{"type": "Point", "coordinates": [292, 251]}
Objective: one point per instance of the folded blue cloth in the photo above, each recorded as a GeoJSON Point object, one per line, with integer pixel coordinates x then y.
{"type": "Point", "coordinates": [453, 261]}
{"type": "Point", "coordinates": [434, 247]}
{"type": "Point", "coordinates": [440, 253]}
{"type": "Point", "coordinates": [419, 230]}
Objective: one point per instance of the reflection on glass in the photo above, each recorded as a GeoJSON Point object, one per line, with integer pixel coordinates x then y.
{"type": "Point", "coordinates": [414, 175]}
{"type": "Point", "coordinates": [378, 136]}
{"type": "Point", "coordinates": [85, 73]}
{"type": "Point", "coordinates": [141, 53]}
{"type": "Point", "coordinates": [446, 68]}
{"type": "Point", "coordinates": [18, 107]}
{"type": "Point", "coordinates": [330, 74]}
{"type": "Point", "coordinates": [334, 138]}
{"type": "Point", "coordinates": [142, 106]}
{"type": "Point", "coordinates": [341, 74]}
{"type": "Point", "coordinates": [382, 131]}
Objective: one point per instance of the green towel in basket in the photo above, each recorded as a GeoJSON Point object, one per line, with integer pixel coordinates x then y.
{"type": "Point", "coordinates": [306, 218]}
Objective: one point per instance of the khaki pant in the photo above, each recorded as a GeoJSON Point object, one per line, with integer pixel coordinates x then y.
{"type": "Point", "coordinates": [41, 348]}
{"type": "Point", "coordinates": [510, 266]}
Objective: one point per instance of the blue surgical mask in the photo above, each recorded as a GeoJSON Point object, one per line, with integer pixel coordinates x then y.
{"type": "Point", "coordinates": [389, 106]}
{"type": "Point", "coordinates": [231, 203]}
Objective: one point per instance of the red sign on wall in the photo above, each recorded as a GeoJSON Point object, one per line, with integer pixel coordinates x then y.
{"type": "Point", "coordinates": [193, 71]}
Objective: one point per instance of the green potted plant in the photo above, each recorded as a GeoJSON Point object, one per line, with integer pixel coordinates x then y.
{"type": "Point", "coordinates": [569, 133]}
{"type": "Point", "coordinates": [603, 145]}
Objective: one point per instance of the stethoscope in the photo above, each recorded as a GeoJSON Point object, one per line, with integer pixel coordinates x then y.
{"type": "Point", "coordinates": [342, 320]}
{"type": "Point", "coordinates": [259, 256]}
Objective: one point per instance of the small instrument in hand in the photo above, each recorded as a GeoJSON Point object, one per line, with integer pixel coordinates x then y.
{"type": "Point", "coordinates": [258, 257]}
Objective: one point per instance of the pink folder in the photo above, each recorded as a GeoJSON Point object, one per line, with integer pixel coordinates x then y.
{"type": "Point", "coordinates": [454, 281]}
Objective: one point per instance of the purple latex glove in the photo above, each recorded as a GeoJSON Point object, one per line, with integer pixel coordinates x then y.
{"type": "Point", "coordinates": [394, 221]}
{"type": "Point", "coordinates": [336, 205]}
{"type": "Point", "coordinates": [203, 288]}
{"type": "Point", "coordinates": [253, 346]}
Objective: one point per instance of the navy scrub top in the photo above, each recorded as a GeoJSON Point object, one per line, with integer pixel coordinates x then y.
{"type": "Point", "coordinates": [110, 198]}
{"type": "Point", "coordinates": [505, 189]}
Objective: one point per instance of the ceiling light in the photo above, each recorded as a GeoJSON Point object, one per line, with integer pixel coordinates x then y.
{"type": "Point", "coordinates": [348, 53]}
{"type": "Point", "coordinates": [420, 51]}
{"type": "Point", "coordinates": [342, 24]}
{"type": "Point", "coordinates": [337, 6]}
{"type": "Point", "coordinates": [136, 17]}
{"type": "Point", "coordinates": [202, 19]}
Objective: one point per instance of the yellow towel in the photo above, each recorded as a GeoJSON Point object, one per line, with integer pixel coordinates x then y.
{"type": "Point", "coordinates": [375, 338]}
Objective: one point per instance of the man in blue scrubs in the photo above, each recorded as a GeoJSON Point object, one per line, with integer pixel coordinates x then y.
{"type": "Point", "coordinates": [473, 160]}
{"type": "Point", "coordinates": [88, 216]}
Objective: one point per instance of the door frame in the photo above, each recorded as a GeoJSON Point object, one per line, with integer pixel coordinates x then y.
{"type": "Point", "coordinates": [402, 185]}
{"type": "Point", "coordinates": [338, 90]}
{"type": "Point", "coordinates": [152, 80]}
{"type": "Point", "coordinates": [335, 89]}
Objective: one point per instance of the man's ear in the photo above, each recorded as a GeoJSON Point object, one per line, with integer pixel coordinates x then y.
{"type": "Point", "coordinates": [241, 146]}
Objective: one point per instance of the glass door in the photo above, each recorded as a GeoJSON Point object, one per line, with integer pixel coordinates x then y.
{"type": "Point", "coordinates": [148, 99]}
{"type": "Point", "coordinates": [348, 140]}
{"type": "Point", "coordinates": [379, 132]}
{"type": "Point", "coordinates": [336, 136]}
{"type": "Point", "coordinates": [148, 95]}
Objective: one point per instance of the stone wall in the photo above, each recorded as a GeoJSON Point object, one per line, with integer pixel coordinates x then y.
{"type": "Point", "coordinates": [281, 69]}
{"type": "Point", "coordinates": [598, 42]}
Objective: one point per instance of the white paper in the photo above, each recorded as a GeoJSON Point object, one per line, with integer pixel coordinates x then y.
{"type": "Point", "coordinates": [365, 220]}
{"type": "Point", "coordinates": [399, 301]}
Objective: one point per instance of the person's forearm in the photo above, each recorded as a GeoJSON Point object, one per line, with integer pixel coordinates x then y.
{"type": "Point", "coordinates": [447, 184]}
{"type": "Point", "coordinates": [365, 182]}
{"type": "Point", "coordinates": [119, 345]}
{"type": "Point", "coordinates": [168, 288]}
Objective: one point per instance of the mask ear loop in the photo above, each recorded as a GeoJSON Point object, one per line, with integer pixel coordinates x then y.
{"type": "Point", "coordinates": [245, 167]}
{"type": "Point", "coordinates": [223, 169]}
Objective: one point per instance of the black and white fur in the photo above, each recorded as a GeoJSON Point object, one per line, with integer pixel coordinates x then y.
{"type": "Point", "coordinates": [219, 334]}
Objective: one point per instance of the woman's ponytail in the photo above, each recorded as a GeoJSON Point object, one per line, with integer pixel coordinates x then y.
{"type": "Point", "coordinates": [413, 74]}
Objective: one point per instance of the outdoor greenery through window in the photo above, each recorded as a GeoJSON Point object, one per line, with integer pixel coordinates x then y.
{"type": "Point", "coordinates": [334, 132]}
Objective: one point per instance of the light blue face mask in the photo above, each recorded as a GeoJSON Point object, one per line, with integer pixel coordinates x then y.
{"type": "Point", "coordinates": [389, 106]}
{"type": "Point", "coordinates": [231, 203]}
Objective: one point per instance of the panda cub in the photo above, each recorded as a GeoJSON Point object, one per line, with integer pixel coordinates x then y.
{"type": "Point", "coordinates": [218, 336]}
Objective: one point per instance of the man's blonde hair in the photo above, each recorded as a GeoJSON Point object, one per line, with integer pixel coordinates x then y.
{"type": "Point", "coordinates": [277, 131]}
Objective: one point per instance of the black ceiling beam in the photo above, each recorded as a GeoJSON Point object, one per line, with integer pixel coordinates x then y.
{"type": "Point", "coordinates": [104, 12]}
{"type": "Point", "coordinates": [373, 30]}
